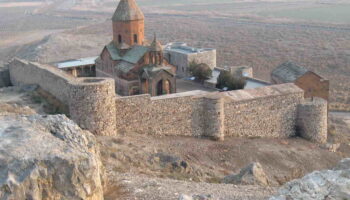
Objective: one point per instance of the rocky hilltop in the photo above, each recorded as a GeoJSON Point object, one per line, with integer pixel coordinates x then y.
{"type": "Point", "coordinates": [48, 157]}
{"type": "Point", "coordinates": [326, 184]}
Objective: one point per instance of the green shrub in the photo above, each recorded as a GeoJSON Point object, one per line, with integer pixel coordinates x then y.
{"type": "Point", "coordinates": [231, 82]}
{"type": "Point", "coordinates": [201, 71]}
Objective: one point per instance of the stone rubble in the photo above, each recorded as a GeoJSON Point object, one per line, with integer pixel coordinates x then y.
{"type": "Point", "coordinates": [253, 174]}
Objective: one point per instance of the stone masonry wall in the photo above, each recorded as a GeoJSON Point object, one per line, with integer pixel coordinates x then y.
{"type": "Point", "coordinates": [207, 57]}
{"type": "Point", "coordinates": [271, 111]}
{"type": "Point", "coordinates": [175, 114]}
{"type": "Point", "coordinates": [24, 73]}
{"type": "Point", "coordinates": [92, 105]}
{"type": "Point", "coordinates": [263, 117]}
{"type": "Point", "coordinates": [91, 101]}
{"type": "Point", "coordinates": [213, 117]}
{"type": "Point", "coordinates": [312, 120]}
{"type": "Point", "coordinates": [182, 60]}
{"type": "Point", "coordinates": [264, 112]}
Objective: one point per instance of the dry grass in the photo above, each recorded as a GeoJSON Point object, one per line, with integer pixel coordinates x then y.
{"type": "Point", "coordinates": [116, 192]}
{"type": "Point", "coordinates": [15, 109]}
{"type": "Point", "coordinates": [295, 173]}
{"type": "Point", "coordinates": [332, 130]}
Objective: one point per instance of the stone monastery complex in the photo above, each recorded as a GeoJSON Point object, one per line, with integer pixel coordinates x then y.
{"type": "Point", "coordinates": [136, 66]}
{"type": "Point", "coordinates": [132, 87]}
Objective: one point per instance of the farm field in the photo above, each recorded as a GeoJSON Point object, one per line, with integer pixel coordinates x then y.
{"type": "Point", "coordinates": [322, 13]}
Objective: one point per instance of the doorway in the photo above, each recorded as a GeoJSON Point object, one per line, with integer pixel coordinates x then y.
{"type": "Point", "coordinates": [160, 88]}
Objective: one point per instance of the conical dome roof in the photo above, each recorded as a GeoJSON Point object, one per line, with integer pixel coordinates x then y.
{"type": "Point", "coordinates": [156, 45]}
{"type": "Point", "coordinates": [127, 10]}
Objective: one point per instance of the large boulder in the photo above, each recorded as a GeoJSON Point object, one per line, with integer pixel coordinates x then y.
{"type": "Point", "coordinates": [327, 184]}
{"type": "Point", "coordinates": [253, 174]}
{"type": "Point", "coordinates": [48, 157]}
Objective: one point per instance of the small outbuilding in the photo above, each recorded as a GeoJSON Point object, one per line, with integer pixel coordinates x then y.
{"type": "Point", "coordinates": [313, 84]}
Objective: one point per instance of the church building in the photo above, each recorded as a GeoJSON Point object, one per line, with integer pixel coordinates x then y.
{"type": "Point", "coordinates": [137, 66]}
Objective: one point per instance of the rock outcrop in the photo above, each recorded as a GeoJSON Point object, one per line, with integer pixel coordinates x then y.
{"type": "Point", "coordinates": [253, 174]}
{"type": "Point", "coordinates": [48, 157]}
{"type": "Point", "coordinates": [327, 184]}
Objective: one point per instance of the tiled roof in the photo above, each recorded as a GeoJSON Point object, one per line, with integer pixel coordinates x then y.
{"type": "Point", "coordinates": [113, 51]}
{"type": "Point", "coordinates": [288, 72]}
{"type": "Point", "coordinates": [124, 66]}
{"type": "Point", "coordinates": [127, 10]}
{"type": "Point", "coordinates": [133, 55]}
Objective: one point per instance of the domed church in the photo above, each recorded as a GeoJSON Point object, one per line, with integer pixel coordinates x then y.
{"type": "Point", "coordinates": [136, 66]}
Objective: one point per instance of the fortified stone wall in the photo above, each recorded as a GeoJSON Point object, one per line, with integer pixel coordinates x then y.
{"type": "Point", "coordinates": [269, 116]}
{"type": "Point", "coordinates": [271, 111]}
{"type": "Point", "coordinates": [213, 117]}
{"type": "Point", "coordinates": [175, 114]}
{"type": "Point", "coordinates": [264, 112]}
{"type": "Point", "coordinates": [312, 120]}
{"type": "Point", "coordinates": [91, 101]}
{"type": "Point", "coordinates": [56, 83]}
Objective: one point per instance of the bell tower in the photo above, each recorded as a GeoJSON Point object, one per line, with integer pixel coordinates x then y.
{"type": "Point", "coordinates": [128, 24]}
{"type": "Point", "coordinates": [156, 52]}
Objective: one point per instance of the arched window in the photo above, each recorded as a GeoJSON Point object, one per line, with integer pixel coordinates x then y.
{"type": "Point", "coordinates": [135, 38]}
{"type": "Point", "coordinates": [119, 38]}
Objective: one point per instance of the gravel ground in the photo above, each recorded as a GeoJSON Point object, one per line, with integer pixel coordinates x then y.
{"type": "Point", "coordinates": [141, 187]}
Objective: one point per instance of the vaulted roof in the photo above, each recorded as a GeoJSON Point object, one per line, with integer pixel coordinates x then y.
{"type": "Point", "coordinates": [127, 10]}
{"type": "Point", "coordinates": [288, 72]}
